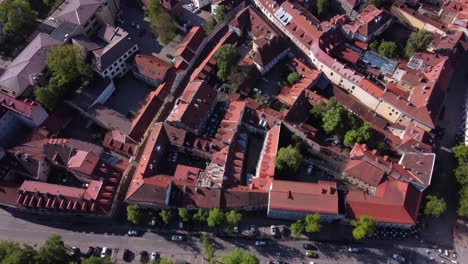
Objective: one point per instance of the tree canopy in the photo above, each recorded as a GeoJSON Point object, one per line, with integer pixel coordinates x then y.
{"type": "Point", "coordinates": [360, 135]}
{"type": "Point", "coordinates": [463, 207]}
{"type": "Point", "coordinates": [374, 45]}
{"type": "Point", "coordinates": [53, 251]}
{"type": "Point", "coordinates": [165, 28]}
{"type": "Point", "coordinates": [215, 218]}
{"type": "Point", "coordinates": [166, 216]}
{"type": "Point", "coordinates": [14, 253]}
{"type": "Point", "coordinates": [388, 49]}
{"type": "Point", "coordinates": [417, 42]}
{"type": "Point", "coordinates": [288, 159]}
{"type": "Point", "coordinates": [208, 248]}
{"type": "Point", "coordinates": [18, 19]}
{"type": "Point", "coordinates": [208, 25]}
{"type": "Point", "coordinates": [200, 216]}
{"type": "Point", "coordinates": [435, 206]}
{"type": "Point", "coordinates": [96, 260]}
{"type": "Point", "coordinates": [377, 3]}
{"type": "Point", "coordinates": [312, 223]}
{"type": "Point", "coordinates": [297, 228]}
{"type": "Point", "coordinates": [461, 174]}
{"type": "Point", "coordinates": [238, 256]}
{"type": "Point", "coordinates": [184, 214]}
{"type": "Point", "coordinates": [226, 58]}
{"type": "Point", "coordinates": [322, 6]}
{"type": "Point", "coordinates": [69, 71]}
{"type": "Point", "coordinates": [134, 214]}
{"type": "Point", "coordinates": [363, 227]}
{"type": "Point", "coordinates": [219, 13]}
{"type": "Point", "coordinates": [233, 219]}
{"type": "Point", "coordinates": [461, 153]}
{"type": "Point", "coordinates": [154, 10]}
{"type": "Point", "coordinates": [293, 78]}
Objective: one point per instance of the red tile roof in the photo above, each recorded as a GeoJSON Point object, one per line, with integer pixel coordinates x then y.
{"type": "Point", "coordinates": [189, 46]}
{"type": "Point", "coordinates": [83, 162]}
{"type": "Point", "coordinates": [395, 202]}
{"type": "Point", "coordinates": [23, 106]}
{"type": "Point", "coordinates": [152, 67]}
{"type": "Point", "coordinates": [371, 19]}
{"type": "Point", "coordinates": [266, 166]}
{"type": "Point", "coordinates": [193, 106]}
{"type": "Point", "coordinates": [321, 197]}
{"type": "Point", "coordinates": [186, 175]}
{"type": "Point", "coordinates": [420, 165]}
{"type": "Point", "coordinates": [365, 172]}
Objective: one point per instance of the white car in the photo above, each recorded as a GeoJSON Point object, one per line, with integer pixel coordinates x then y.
{"type": "Point", "coordinates": [273, 230]}
{"type": "Point", "coordinates": [236, 229]}
{"type": "Point", "coordinates": [262, 243]}
{"type": "Point", "coordinates": [176, 238]}
{"type": "Point", "coordinates": [105, 252]}
{"type": "Point", "coordinates": [353, 250]}
{"type": "Point", "coordinates": [153, 256]}
{"type": "Point", "coordinates": [399, 258]}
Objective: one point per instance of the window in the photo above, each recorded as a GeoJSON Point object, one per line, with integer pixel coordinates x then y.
{"type": "Point", "coordinates": [331, 73]}
{"type": "Point", "coordinates": [120, 60]}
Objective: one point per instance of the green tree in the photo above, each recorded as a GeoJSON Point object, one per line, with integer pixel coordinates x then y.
{"type": "Point", "coordinates": [238, 256]}
{"type": "Point", "coordinates": [435, 206]}
{"type": "Point", "coordinates": [461, 153]}
{"type": "Point", "coordinates": [208, 25]}
{"type": "Point", "coordinates": [461, 174]}
{"type": "Point", "coordinates": [377, 3]}
{"type": "Point", "coordinates": [233, 219]}
{"type": "Point", "coordinates": [374, 45]}
{"type": "Point", "coordinates": [215, 218]}
{"type": "Point", "coordinates": [165, 260]}
{"type": "Point", "coordinates": [96, 260]}
{"type": "Point", "coordinates": [208, 248]}
{"type": "Point", "coordinates": [463, 206]}
{"type": "Point", "coordinates": [53, 251]}
{"type": "Point", "coordinates": [200, 216]}
{"type": "Point", "coordinates": [134, 214]}
{"type": "Point", "coordinates": [293, 78]}
{"type": "Point", "coordinates": [363, 227]}
{"type": "Point", "coordinates": [297, 228]}
{"type": "Point", "coordinates": [166, 216]}
{"type": "Point", "coordinates": [154, 10]}
{"type": "Point", "coordinates": [68, 64]}
{"type": "Point", "coordinates": [18, 19]}
{"type": "Point", "coordinates": [226, 57]}
{"type": "Point", "coordinates": [13, 253]}
{"type": "Point", "coordinates": [219, 13]}
{"type": "Point", "coordinates": [258, 98]}
{"type": "Point", "coordinates": [184, 215]}
{"type": "Point", "coordinates": [288, 159]}
{"type": "Point", "coordinates": [312, 223]}
{"type": "Point", "coordinates": [417, 42]}
{"type": "Point", "coordinates": [165, 28]}
{"type": "Point", "coordinates": [322, 6]}
{"type": "Point", "coordinates": [388, 49]}
{"type": "Point", "coordinates": [359, 135]}
{"type": "Point", "coordinates": [318, 109]}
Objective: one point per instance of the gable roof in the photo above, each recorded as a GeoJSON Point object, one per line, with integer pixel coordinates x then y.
{"type": "Point", "coordinates": [419, 165]}
{"type": "Point", "coordinates": [31, 61]}
{"type": "Point", "coordinates": [321, 197]}
{"type": "Point", "coordinates": [192, 41]}
{"type": "Point", "coordinates": [116, 43]}
{"type": "Point", "coordinates": [365, 172]}
{"type": "Point", "coordinates": [394, 202]}
{"type": "Point", "coordinates": [77, 12]}
{"type": "Point", "coordinates": [151, 67]}
{"type": "Point", "coordinates": [371, 19]}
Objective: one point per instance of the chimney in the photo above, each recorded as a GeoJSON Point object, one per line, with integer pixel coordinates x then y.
{"type": "Point", "coordinates": [385, 158]}
{"type": "Point", "coordinates": [290, 195]}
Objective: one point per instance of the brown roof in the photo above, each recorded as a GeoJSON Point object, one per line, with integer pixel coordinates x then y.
{"type": "Point", "coordinates": [152, 67]}
{"type": "Point", "coordinates": [150, 190]}
{"type": "Point", "coordinates": [189, 46]}
{"type": "Point", "coordinates": [394, 202]}
{"type": "Point", "coordinates": [242, 199]}
{"type": "Point", "coordinates": [371, 19]}
{"type": "Point", "coordinates": [420, 165]}
{"type": "Point", "coordinates": [196, 197]}
{"type": "Point", "coordinates": [321, 197]}
{"type": "Point", "coordinates": [365, 172]}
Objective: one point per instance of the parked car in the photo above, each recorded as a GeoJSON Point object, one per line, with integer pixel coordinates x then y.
{"type": "Point", "coordinates": [105, 252]}
{"type": "Point", "coordinates": [309, 169]}
{"type": "Point", "coordinates": [97, 251]}
{"type": "Point", "coordinates": [262, 243]}
{"type": "Point", "coordinates": [90, 251]}
{"type": "Point", "coordinates": [154, 256]}
{"type": "Point", "coordinates": [308, 246]}
{"type": "Point", "coordinates": [253, 229]}
{"type": "Point", "coordinates": [132, 232]}
{"type": "Point", "coordinates": [311, 254]}
{"type": "Point", "coordinates": [176, 238]}
{"type": "Point", "coordinates": [273, 229]}
{"type": "Point", "coordinates": [144, 257]}
{"type": "Point", "coordinates": [75, 252]}
{"type": "Point", "coordinates": [127, 255]}
{"type": "Point", "coordinates": [353, 250]}
{"type": "Point", "coordinates": [398, 258]}
{"type": "Point", "coordinates": [446, 253]}
{"type": "Point", "coordinates": [235, 229]}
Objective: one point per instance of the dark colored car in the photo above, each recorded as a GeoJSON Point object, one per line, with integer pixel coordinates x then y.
{"type": "Point", "coordinates": [309, 246]}
{"type": "Point", "coordinates": [97, 251]}
{"type": "Point", "coordinates": [75, 253]}
{"type": "Point", "coordinates": [90, 251]}
{"type": "Point", "coordinates": [144, 256]}
{"type": "Point", "coordinates": [127, 255]}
